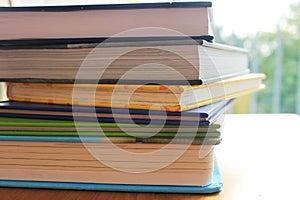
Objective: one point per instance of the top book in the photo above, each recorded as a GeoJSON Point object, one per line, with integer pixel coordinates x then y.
{"type": "Point", "coordinates": [102, 21]}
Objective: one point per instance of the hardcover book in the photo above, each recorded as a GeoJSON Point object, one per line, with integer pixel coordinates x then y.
{"type": "Point", "coordinates": [148, 97]}
{"type": "Point", "coordinates": [73, 163]}
{"type": "Point", "coordinates": [92, 21]}
{"type": "Point", "coordinates": [148, 61]}
{"type": "Point", "coordinates": [214, 186]}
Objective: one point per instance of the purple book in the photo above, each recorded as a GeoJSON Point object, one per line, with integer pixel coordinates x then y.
{"type": "Point", "coordinates": [202, 116]}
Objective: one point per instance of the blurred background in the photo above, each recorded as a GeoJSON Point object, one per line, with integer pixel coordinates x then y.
{"type": "Point", "coordinates": [270, 30]}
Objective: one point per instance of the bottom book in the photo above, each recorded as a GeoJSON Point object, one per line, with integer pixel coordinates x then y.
{"type": "Point", "coordinates": [215, 186]}
{"type": "Point", "coordinates": [142, 168]}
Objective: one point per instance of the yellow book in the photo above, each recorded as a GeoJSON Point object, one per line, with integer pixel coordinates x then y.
{"type": "Point", "coordinates": [149, 97]}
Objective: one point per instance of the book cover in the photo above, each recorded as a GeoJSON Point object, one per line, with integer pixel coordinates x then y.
{"type": "Point", "coordinates": [203, 116]}
{"type": "Point", "coordinates": [90, 21]}
{"type": "Point", "coordinates": [110, 134]}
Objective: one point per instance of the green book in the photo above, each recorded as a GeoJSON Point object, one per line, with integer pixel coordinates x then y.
{"type": "Point", "coordinates": [40, 125]}
{"type": "Point", "coordinates": [110, 134]}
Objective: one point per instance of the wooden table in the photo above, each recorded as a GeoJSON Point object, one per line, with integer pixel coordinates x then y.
{"type": "Point", "coordinates": [258, 158]}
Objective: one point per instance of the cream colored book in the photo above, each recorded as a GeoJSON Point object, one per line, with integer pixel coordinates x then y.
{"type": "Point", "coordinates": [73, 162]}
{"type": "Point", "coordinates": [177, 62]}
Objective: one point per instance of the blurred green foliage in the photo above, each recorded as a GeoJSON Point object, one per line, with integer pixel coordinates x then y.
{"type": "Point", "coordinates": [262, 48]}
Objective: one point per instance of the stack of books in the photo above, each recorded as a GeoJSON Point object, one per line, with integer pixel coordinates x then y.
{"type": "Point", "coordinates": [134, 112]}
